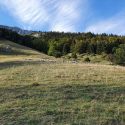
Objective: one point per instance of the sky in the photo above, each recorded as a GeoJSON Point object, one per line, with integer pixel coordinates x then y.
{"type": "Point", "coordinates": [96, 16]}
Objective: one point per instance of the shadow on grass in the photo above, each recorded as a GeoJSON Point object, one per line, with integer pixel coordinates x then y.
{"type": "Point", "coordinates": [100, 93]}
{"type": "Point", "coordinates": [93, 92]}
{"type": "Point", "coordinates": [4, 65]}
{"type": "Point", "coordinates": [62, 97]}
{"type": "Point", "coordinates": [16, 53]}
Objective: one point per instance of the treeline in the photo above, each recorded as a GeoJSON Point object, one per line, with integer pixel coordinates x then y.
{"type": "Point", "coordinates": [59, 43]}
{"type": "Point", "coordinates": [26, 40]}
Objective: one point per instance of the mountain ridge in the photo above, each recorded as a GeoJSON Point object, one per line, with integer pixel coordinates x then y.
{"type": "Point", "coordinates": [17, 29]}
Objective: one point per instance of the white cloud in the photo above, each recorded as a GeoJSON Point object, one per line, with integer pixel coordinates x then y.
{"type": "Point", "coordinates": [66, 15]}
{"type": "Point", "coordinates": [58, 15]}
{"type": "Point", "coordinates": [27, 12]}
{"type": "Point", "coordinates": [69, 13]}
{"type": "Point", "coordinates": [115, 25]}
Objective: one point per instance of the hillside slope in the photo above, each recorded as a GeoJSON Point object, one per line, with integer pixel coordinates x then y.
{"type": "Point", "coordinates": [10, 51]}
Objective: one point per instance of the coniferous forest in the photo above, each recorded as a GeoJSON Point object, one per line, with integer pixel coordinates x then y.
{"type": "Point", "coordinates": [59, 44]}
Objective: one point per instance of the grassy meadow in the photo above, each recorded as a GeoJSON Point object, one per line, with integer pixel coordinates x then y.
{"type": "Point", "coordinates": [19, 53]}
{"type": "Point", "coordinates": [45, 91]}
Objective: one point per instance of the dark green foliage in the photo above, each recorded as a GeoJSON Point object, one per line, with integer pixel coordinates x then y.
{"type": "Point", "coordinates": [100, 47]}
{"type": "Point", "coordinates": [0, 34]}
{"type": "Point", "coordinates": [51, 50]}
{"type": "Point", "coordinates": [40, 45]}
{"type": "Point", "coordinates": [66, 48]}
{"type": "Point", "coordinates": [54, 50]}
{"type": "Point", "coordinates": [92, 47]}
{"type": "Point", "coordinates": [119, 55]}
{"type": "Point", "coordinates": [87, 59]}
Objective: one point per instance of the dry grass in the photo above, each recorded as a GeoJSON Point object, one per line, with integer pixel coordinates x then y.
{"type": "Point", "coordinates": [74, 94]}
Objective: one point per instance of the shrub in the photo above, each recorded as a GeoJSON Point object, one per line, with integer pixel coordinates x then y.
{"type": "Point", "coordinates": [74, 55]}
{"type": "Point", "coordinates": [35, 84]}
{"type": "Point", "coordinates": [87, 59]}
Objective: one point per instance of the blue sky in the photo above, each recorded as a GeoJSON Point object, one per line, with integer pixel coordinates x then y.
{"type": "Point", "coordinates": [98, 16]}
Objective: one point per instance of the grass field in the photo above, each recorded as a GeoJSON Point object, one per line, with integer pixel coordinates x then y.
{"type": "Point", "coordinates": [50, 93]}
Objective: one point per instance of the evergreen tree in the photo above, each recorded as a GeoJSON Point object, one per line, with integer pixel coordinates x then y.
{"type": "Point", "coordinates": [120, 55]}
